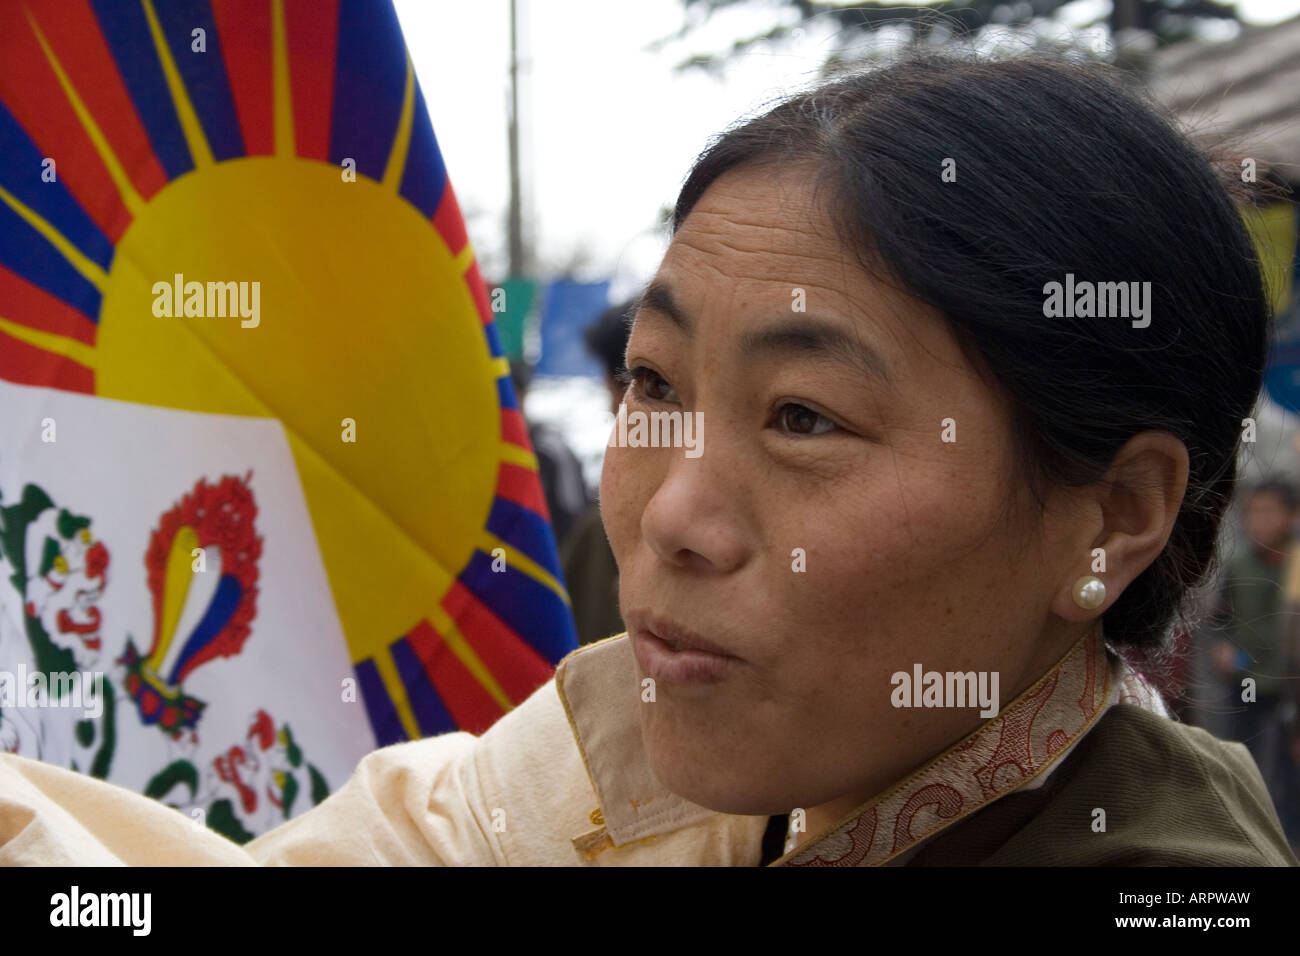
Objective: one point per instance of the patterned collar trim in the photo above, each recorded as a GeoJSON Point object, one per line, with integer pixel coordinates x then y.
{"type": "Point", "coordinates": [1013, 750]}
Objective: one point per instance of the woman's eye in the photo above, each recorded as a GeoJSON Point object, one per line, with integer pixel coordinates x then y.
{"type": "Point", "coordinates": [651, 384]}
{"type": "Point", "coordinates": [801, 420]}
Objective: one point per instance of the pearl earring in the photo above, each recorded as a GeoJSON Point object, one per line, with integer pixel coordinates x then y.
{"type": "Point", "coordinates": [1089, 592]}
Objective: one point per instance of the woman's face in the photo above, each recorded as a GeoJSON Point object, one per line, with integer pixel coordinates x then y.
{"type": "Point", "coordinates": [823, 435]}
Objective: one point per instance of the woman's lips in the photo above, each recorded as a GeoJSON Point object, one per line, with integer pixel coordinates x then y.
{"type": "Point", "coordinates": [685, 665]}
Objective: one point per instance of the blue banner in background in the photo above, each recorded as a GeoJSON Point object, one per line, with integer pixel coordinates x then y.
{"type": "Point", "coordinates": [1282, 377]}
{"type": "Point", "coordinates": [1282, 266]}
{"type": "Point", "coordinates": [568, 309]}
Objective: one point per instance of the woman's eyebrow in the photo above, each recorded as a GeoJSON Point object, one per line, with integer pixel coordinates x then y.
{"type": "Point", "coordinates": [812, 336]}
{"type": "Point", "coordinates": [806, 335]}
{"type": "Point", "coordinates": [657, 297]}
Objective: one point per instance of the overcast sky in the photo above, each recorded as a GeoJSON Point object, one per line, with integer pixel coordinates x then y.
{"type": "Point", "coordinates": [610, 128]}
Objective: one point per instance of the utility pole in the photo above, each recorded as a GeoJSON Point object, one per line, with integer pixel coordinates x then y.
{"type": "Point", "coordinates": [1133, 42]}
{"type": "Point", "coordinates": [515, 222]}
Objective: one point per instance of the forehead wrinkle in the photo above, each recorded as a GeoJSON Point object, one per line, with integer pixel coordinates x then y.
{"type": "Point", "coordinates": [797, 264]}
{"type": "Point", "coordinates": [812, 257]}
{"type": "Point", "coordinates": [845, 298]}
{"type": "Point", "coordinates": [799, 259]}
{"type": "Point", "coordinates": [716, 221]}
{"type": "Point", "coordinates": [769, 240]}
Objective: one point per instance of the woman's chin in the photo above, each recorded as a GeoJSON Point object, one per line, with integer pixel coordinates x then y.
{"type": "Point", "coordinates": [722, 786]}
{"type": "Point", "coordinates": [725, 797]}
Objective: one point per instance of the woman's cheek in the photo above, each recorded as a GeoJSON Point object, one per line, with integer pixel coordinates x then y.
{"type": "Point", "coordinates": [619, 512]}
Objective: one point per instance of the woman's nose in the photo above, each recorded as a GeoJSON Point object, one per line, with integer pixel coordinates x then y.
{"type": "Point", "coordinates": [694, 518]}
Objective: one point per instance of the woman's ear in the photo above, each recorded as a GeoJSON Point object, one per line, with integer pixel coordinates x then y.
{"type": "Point", "coordinates": [1139, 499]}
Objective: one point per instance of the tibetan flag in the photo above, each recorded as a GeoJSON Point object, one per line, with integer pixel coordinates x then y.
{"type": "Point", "coordinates": [267, 500]}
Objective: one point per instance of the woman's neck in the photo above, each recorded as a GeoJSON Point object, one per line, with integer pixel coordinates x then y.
{"type": "Point", "coordinates": [1053, 643]}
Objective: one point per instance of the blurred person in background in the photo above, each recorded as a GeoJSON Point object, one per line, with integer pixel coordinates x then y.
{"type": "Point", "coordinates": [1288, 786]}
{"type": "Point", "coordinates": [589, 567]}
{"type": "Point", "coordinates": [558, 466]}
{"type": "Point", "coordinates": [1255, 614]}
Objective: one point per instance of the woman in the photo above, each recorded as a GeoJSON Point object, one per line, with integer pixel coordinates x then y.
{"type": "Point", "coordinates": [973, 342]}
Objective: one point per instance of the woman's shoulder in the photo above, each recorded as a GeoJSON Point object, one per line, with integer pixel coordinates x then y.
{"type": "Point", "coordinates": [1215, 807]}
{"type": "Point", "coordinates": [1145, 790]}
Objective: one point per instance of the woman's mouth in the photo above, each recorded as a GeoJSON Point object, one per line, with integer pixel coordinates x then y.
{"type": "Point", "coordinates": [672, 657]}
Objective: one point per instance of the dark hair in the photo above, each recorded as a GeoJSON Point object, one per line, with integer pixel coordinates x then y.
{"type": "Point", "coordinates": [1059, 169]}
{"type": "Point", "coordinates": [607, 336]}
{"type": "Point", "coordinates": [1280, 488]}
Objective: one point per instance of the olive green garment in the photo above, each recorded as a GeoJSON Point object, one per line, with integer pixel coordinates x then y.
{"type": "Point", "coordinates": [1173, 795]}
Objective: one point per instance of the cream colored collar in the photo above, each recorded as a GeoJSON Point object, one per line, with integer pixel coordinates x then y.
{"type": "Point", "coordinates": [1016, 749]}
